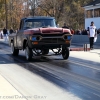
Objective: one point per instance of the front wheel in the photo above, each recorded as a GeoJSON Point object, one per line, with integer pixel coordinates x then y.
{"type": "Point", "coordinates": [65, 53]}
{"type": "Point", "coordinates": [28, 53]}
{"type": "Point", "coordinates": [14, 51]}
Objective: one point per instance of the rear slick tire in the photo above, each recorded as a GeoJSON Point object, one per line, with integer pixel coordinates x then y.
{"type": "Point", "coordinates": [14, 51]}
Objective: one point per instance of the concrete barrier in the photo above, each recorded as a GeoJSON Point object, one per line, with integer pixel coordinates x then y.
{"type": "Point", "coordinates": [83, 39]}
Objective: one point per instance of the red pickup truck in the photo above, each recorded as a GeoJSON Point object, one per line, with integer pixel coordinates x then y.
{"type": "Point", "coordinates": [37, 35]}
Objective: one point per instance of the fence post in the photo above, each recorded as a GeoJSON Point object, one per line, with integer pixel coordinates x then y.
{"type": "Point", "coordinates": [86, 47]}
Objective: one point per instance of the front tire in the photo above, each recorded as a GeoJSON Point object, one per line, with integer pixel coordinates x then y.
{"type": "Point", "coordinates": [65, 53]}
{"type": "Point", "coordinates": [28, 53]}
{"type": "Point", "coordinates": [14, 51]}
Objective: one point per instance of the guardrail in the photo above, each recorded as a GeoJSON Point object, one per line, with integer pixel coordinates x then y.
{"type": "Point", "coordinates": [83, 39]}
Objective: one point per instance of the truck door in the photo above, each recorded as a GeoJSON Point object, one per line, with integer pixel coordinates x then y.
{"type": "Point", "coordinates": [19, 37]}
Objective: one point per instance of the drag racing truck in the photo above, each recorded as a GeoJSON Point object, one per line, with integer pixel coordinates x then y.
{"type": "Point", "coordinates": [38, 35]}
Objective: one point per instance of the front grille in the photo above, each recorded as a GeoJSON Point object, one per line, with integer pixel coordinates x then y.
{"type": "Point", "coordinates": [49, 35]}
{"type": "Point", "coordinates": [52, 40]}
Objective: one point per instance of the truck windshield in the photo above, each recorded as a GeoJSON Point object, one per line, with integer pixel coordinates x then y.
{"type": "Point", "coordinates": [36, 23]}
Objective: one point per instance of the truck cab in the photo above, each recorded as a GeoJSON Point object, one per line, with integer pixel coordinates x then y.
{"type": "Point", "coordinates": [37, 35]}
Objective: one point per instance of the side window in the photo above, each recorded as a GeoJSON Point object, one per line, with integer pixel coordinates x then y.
{"type": "Point", "coordinates": [28, 24]}
{"type": "Point", "coordinates": [38, 24]}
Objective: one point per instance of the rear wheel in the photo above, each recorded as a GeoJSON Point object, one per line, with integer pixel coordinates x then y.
{"type": "Point", "coordinates": [28, 53]}
{"type": "Point", "coordinates": [45, 51]}
{"type": "Point", "coordinates": [14, 51]}
{"type": "Point", "coordinates": [65, 53]}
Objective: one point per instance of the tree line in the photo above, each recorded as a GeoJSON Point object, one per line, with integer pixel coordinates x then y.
{"type": "Point", "coordinates": [69, 11]}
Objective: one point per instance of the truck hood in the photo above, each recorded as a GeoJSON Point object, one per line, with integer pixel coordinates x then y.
{"type": "Point", "coordinates": [49, 30]}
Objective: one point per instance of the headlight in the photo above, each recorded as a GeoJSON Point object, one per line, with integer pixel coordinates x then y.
{"type": "Point", "coordinates": [36, 38]}
{"type": "Point", "coordinates": [67, 37]}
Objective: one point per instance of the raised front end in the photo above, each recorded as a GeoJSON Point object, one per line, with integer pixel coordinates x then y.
{"type": "Point", "coordinates": [50, 38]}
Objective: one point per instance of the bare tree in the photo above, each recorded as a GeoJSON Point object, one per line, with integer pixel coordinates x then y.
{"type": "Point", "coordinates": [15, 12]}
{"type": "Point", "coordinates": [32, 6]}
{"type": "Point", "coordinates": [69, 11]}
